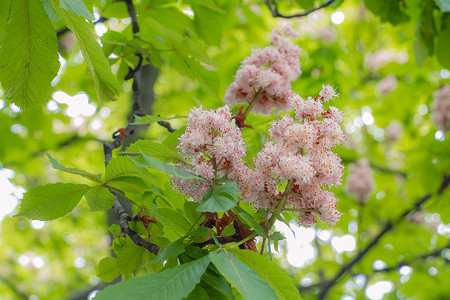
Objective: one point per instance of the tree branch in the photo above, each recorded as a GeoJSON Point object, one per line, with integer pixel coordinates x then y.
{"type": "Point", "coordinates": [387, 228]}
{"type": "Point", "coordinates": [411, 261]}
{"type": "Point", "coordinates": [273, 7]}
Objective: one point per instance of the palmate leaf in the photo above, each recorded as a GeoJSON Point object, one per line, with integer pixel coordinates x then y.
{"type": "Point", "coordinates": [278, 280]}
{"type": "Point", "coordinates": [222, 198]}
{"type": "Point", "coordinates": [29, 54]}
{"type": "Point", "coordinates": [106, 84]}
{"type": "Point", "coordinates": [175, 283]}
{"type": "Point", "coordinates": [244, 279]}
{"type": "Point", "coordinates": [99, 198]}
{"type": "Point", "coordinates": [93, 177]}
{"type": "Point", "coordinates": [52, 200]}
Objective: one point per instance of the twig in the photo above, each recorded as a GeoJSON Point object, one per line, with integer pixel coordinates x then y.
{"type": "Point", "coordinates": [136, 238]}
{"type": "Point", "coordinates": [108, 148]}
{"type": "Point", "coordinates": [273, 7]}
{"type": "Point", "coordinates": [387, 227]}
{"type": "Point", "coordinates": [167, 126]}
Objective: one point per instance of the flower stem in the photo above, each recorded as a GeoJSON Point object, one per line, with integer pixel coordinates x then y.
{"type": "Point", "coordinates": [280, 206]}
{"type": "Point", "coordinates": [252, 103]}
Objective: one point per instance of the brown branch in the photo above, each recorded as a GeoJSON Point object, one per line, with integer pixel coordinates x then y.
{"type": "Point", "coordinates": [325, 286]}
{"type": "Point", "coordinates": [273, 7]}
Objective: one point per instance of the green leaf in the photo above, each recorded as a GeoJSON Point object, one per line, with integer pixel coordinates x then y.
{"type": "Point", "coordinates": [4, 15]}
{"type": "Point", "coordinates": [150, 119]}
{"type": "Point", "coordinates": [222, 198]}
{"type": "Point", "coordinates": [173, 220]}
{"type": "Point", "coordinates": [169, 169]}
{"type": "Point", "coordinates": [244, 279]}
{"type": "Point", "coordinates": [129, 184]}
{"type": "Point", "coordinates": [77, 7]}
{"type": "Point", "coordinates": [127, 261]}
{"type": "Point", "coordinates": [93, 177]}
{"type": "Point", "coordinates": [51, 201]}
{"type": "Point", "coordinates": [29, 54]}
{"type": "Point", "coordinates": [443, 46]}
{"type": "Point", "coordinates": [173, 284]}
{"type": "Point", "coordinates": [277, 236]}
{"type": "Point", "coordinates": [172, 250]}
{"type": "Point", "coordinates": [106, 84]}
{"type": "Point", "coordinates": [99, 198]}
{"type": "Point", "coordinates": [277, 279]}
{"type": "Point", "coordinates": [172, 140]}
{"type": "Point", "coordinates": [444, 5]}
{"type": "Point", "coordinates": [123, 167]}
{"type": "Point", "coordinates": [206, 16]}
{"type": "Point", "coordinates": [258, 228]}
{"type": "Point", "coordinates": [50, 11]}
{"type": "Point", "coordinates": [420, 50]}
{"type": "Point", "coordinates": [153, 149]}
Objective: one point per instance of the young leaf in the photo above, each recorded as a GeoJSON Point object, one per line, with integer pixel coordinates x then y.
{"type": "Point", "coordinates": [106, 84]}
{"type": "Point", "coordinates": [93, 177]}
{"type": "Point", "coordinates": [99, 198]}
{"type": "Point", "coordinates": [222, 198]}
{"type": "Point", "coordinates": [153, 149]}
{"type": "Point", "coordinates": [77, 7]}
{"type": "Point", "coordinates": [244, 279]}
{"type": "Point", "coordinates": [127, 261]}
{"type": "Point", "coordinates": [278, 280]}
{"type": "Point", "coordinates": [169, 169]}
{"type": "Point", "coordinates": [29, 54]}
{"type": "Point", "coordinates": [172, 250]}
{"type": "Point", "coordinates": [51, 201]}
{"type": "Point", "coordinates": [174, 283]}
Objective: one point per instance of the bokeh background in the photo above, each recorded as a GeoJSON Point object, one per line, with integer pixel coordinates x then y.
{"type": "Point", "coordinates": [377, 54]}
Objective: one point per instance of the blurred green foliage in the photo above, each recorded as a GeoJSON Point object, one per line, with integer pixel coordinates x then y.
{"type": "Point", "coordinates": [406, 41]}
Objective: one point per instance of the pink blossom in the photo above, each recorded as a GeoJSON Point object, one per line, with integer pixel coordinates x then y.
{"type": "Point", "coordinates": [387, 84]}
{"type": "Point", "coordinates": [328, 93]}
{"type": "Point", "coordinates": [212, 145]}
{"type": "Point", "coordinates": [299, 150]}
{"type": "Point", "coordinates": [360, 181]}
{"type": "Point", "coordinates": [393, 131]}
{"type": "Point", "coordinates": [269, 73]}
{"type": "Point", "coordinates": [306, 108]}
{"type": "Point", "coordinates": [441, 107]}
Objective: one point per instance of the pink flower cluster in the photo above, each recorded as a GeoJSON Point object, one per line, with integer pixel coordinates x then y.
{"type": "Point", "coordinates": [268, 73]}
{"type": "Point", "coordinates": [212, 146]}
{"type": "Point", "coordinates": [441, 107]}
{"type": "Point", "coordinates": [360, 181]}
{"type": "Point", "coordinates": [299, 150]}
